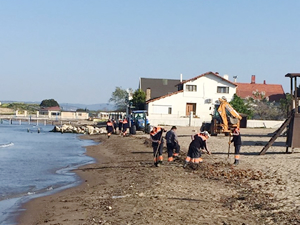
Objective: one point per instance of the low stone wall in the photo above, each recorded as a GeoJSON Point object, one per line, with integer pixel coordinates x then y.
{"type": "Point", "coordinates": [176, 121]}
{"type": "Point", "coordinates": [264, 123]}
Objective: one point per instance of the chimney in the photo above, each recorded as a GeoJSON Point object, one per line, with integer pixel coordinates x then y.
{"type": "Point", "coordinates": [226, 76]}
{"type": "Point", "coordinates": [148, 94]}
{"type": "Point", "coordinates": [234, 77]}
{"type": "Point", "coordinates": [181, 78]}
{"type": "Point", "coordinates": [253, 79]}
{"type": "Point", "coordinates": [264, 81]}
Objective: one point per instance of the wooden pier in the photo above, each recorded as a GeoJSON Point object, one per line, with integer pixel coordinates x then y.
{"type": "Point", "coordinates": [39, 121]}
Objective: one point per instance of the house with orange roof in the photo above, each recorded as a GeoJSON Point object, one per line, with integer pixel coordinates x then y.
{"type": "Point", "coordinates": [196, 96]}
{"type": "Point", "coordinates": [53, 111]}
{"type": "Point", "coordinates": [274, 92]}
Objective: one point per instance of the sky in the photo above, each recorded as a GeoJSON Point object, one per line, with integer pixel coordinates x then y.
{"type": "Point", "coordinates": [77, 51]}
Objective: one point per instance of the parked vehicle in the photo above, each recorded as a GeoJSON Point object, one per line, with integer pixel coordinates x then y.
{"type": "Point", "coordinates": [139, 121]}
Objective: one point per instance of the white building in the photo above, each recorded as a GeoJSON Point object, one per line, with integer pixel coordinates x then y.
{"type": "Point", "coordinates": [195, 96]}
{"type": "Point", "coordinates": [56, 113]}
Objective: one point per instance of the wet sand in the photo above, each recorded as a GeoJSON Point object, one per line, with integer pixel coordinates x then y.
{"type": "Point", "coordinates": [123, 186]}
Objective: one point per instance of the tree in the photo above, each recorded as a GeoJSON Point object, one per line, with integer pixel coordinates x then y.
{"type": "Point", "coordinates": [286, 104]}
{"type": "Point", "coordinates": [241, 106]}
{"type": "Point", "coordinates": [82, 110]}
{"type": "Point", "coordinates": [139, 99]}
{"type": "Point", "coordinates": [264, 109]}
{"type": "Point", "coordinates": [120, 98]}
{"type": "Point", "coordinates": [49, 103]}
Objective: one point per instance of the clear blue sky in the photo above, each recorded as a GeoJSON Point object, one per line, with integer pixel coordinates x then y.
{"type": "Point", "coordinates": [77, 51]}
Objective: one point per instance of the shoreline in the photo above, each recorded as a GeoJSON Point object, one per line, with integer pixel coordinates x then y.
{"type": "Point", "coordinates": [33, 166]}
{"type": "Point", "coordinates": [29, 208]}
{"type": "Point", "coordinates": [11, 213]}
{"type": "Point", "coordinates": [123, 186]}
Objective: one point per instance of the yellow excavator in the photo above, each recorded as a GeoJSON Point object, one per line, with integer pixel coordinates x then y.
{"type": "Point", "coordinates": [224, 119]}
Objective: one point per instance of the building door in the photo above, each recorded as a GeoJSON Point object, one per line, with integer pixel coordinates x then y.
{"type": "Point", "coordinates": [190, 107]}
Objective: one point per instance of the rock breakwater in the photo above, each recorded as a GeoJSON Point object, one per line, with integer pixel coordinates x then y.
{"type": "Point", "coordinates": [83, 129]}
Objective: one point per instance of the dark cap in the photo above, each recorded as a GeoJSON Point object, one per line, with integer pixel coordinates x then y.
{"type": "Point", "coordinates": [174, 127]}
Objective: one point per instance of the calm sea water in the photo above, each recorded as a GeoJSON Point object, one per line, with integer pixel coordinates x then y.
{"type": "Point", "coordinates": [34, 164]}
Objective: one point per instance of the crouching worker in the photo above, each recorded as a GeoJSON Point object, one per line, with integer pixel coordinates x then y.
{"type": "Point", "coordinates": [172, 144]}
{"type": "Point", "coordinates": [237, 142]}
{"type": "Point", "coordinates": [157, 144]}
{"type": "Point", "coordinates": [196, 146]}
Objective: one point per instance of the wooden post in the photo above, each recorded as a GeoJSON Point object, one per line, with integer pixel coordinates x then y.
{"type": "Point", "coordinates": [291, 91]}
{"type": "Point", "coordinates": [296, 97]}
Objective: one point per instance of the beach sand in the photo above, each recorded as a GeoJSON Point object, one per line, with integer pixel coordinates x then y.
{"type": "Point", "coordinates": [124, 187]}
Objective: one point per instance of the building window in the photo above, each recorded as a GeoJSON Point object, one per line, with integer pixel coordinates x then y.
{"type": "Point", "coordinates": [55, 113]}
{"type": "Point", "coordinates": [170, 110]}
{"type": "Point", "coordinates": [191, 88]}
{"type": "Point", "coordinates": [222, 89]}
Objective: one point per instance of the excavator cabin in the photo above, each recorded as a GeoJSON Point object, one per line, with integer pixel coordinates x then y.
{"type": "Point", "coordinates": [224, 118]}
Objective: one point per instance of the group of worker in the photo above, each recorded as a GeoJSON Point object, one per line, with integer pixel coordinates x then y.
{"type": "Point", "coordinates": [197, 146]}
{"type": "Point", "coordinates": [173, 147]}
{"type": "Point", "coordinates": [111, 127]}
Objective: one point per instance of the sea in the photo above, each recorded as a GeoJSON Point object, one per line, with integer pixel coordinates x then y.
{"type": "Point", "coordinates": [35, 162]}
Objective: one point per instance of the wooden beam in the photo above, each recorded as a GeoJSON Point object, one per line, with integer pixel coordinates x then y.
{"type": "Point", "coordinates": [276, 134]}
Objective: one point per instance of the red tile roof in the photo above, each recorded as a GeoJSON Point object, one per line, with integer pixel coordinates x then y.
{"type": "Point", "coordinates": [53, 108]}
{"type": "Point", "coordinates": [274, 91]}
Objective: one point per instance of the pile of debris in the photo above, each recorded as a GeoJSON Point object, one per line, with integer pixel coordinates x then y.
{"type": "Point", "coordinates": [83, 129]}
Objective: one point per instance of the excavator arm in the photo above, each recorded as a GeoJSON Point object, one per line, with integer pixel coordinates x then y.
{"type": "Point", "coordinates": [228, 115]}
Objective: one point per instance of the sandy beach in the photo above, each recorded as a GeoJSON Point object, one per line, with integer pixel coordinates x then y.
{"type": "Point", "coordinates": [124, 187]}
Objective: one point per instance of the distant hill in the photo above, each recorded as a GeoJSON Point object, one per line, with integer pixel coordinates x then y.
{"type": "Point", "coordinates": [74, 106]}
{"type": "Point", "coordinates": [92, 107]}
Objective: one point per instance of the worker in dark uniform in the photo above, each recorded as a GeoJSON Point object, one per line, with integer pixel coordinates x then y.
{"type": "Point", "coordinates": [237, 142]}
{"type": "Point", "coordinates": [120, 125]}
{"type": "Point", "coordinates": [114, 125]}
{"type": "Point", "coordinates": [157, 144]}
{"type": "Point", "coordinates": [109, 128]}
{"type": "Point", "coordinates": [125, 126]}
{"type": "Point", "coordinates": [195, 149]}
{"type": "Point", "coordinates": [172, 144]}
